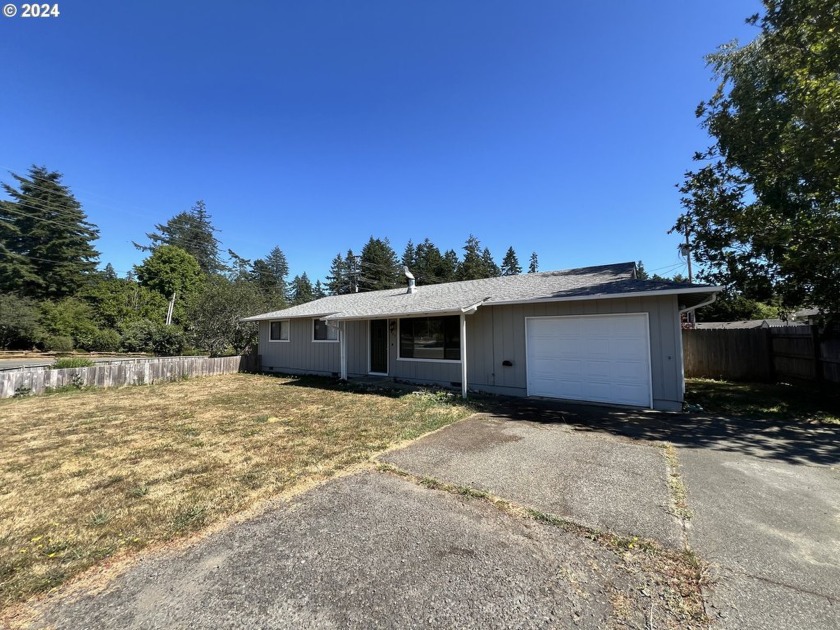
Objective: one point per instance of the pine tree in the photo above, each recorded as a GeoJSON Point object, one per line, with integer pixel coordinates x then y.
{"type": "Point", "coordinates": [428, 264]}
{"type": "Point", "coordinates": [301, 289]}
{"type": "Point", "coordinates": [491, 269]}
{"type": "Point", "coordinates": [46, 241]}
{"type": "Point", "coordinates": [270, 274]}
{"type": "Point", "coordinates": [409, 257]}
{"type": "Point", "coordinates": [449, 267]}
{"type": "Point", "coordinates": [193, 232]}
{"type": "Point", "coordinates": [380, 267]}
{"type": "Point", "coordinates": [533, 264]}
{"type": "Point", "coordinates": [318, 292]}
{"type": "Point", "coordinates": [338, 281]}
{"type": "Point", "coordinates": [510, 263]}
{"type": "Point", "coordinates": [475, 264]}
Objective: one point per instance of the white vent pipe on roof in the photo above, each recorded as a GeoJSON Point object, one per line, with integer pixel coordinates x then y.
{"type": "Point", "coordinates": [411, 287]}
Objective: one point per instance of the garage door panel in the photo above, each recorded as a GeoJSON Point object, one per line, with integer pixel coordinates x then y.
{"type": "Point", "coordinates": [591, 358]}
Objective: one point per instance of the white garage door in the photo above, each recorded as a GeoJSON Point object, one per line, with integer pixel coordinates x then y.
{"type": "Point", "coordinates": [599, 358]}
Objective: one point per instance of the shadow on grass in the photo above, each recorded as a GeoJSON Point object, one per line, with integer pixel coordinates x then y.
{"type": "Point", "coordinates": [743, 428]}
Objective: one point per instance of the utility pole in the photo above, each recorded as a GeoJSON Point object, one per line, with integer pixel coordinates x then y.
{"type": "Point", "coordinates": [685, 250]}
{"type": "Point", "coordinates": [355, 272]}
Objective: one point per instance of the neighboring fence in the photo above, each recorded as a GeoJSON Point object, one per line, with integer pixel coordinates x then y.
{"type": "Point", "coordinates": [118, 374]}
{"type": "Point", "coordinates": [762, 354]}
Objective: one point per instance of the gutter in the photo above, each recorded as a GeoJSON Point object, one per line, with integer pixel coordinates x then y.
{"type": "Point", "coordinates": [705, 302]}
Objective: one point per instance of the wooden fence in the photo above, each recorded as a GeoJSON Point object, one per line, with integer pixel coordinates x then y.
{"type": "Point", "coordinates": [797, 353]}
{"type": "Point", "coordinates": [121, 373]}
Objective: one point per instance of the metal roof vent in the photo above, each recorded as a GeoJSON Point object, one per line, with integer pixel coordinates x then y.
{"type": "Point", "coordinates": [411, 287]}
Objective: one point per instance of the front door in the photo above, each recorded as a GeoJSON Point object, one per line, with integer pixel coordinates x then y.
{"type": "Point", "coordinates": [379, 346]}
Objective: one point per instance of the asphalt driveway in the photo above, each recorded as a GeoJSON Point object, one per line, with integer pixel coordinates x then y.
{"type": "Point", "coordinates": [377, 549]}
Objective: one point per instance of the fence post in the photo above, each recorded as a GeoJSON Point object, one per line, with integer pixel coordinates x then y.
{"type": "Point", "coordinates": [815, 340]}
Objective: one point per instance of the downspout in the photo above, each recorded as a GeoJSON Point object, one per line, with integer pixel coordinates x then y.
{"type": "Point", "coordinates": [463, 355]}
{"type": "Point", "coordinates": [342, 343]}
{"type": "Point", "coordinates": [706, 302]}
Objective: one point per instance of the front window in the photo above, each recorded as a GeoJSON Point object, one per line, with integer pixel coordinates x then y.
{"type": "Point", "coordinates": [322, 332]}
{"type": "Point", "coordinates": [279, 330]}
{"type": "Point", "coordinates": [431, 338]}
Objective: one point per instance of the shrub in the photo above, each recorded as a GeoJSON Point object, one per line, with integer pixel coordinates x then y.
{"type": "Point", "coordinates": [58, 343]}
{"type": "Point", "coordinates": [147, 336]}
{"type": "Point", "coordinates": [19, 322]}
{"type": "Point", "coordinates": [106, 340]}
{"type": "Point", "coordinates": [71, 362]}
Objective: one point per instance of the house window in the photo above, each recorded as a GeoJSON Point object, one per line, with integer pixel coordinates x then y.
{"type": "Point", "coordinates": [279, 330]}
{"type": "Point", "coordinates": [431, 338]}
{"type": "Point", "coordinates": [322, 332]}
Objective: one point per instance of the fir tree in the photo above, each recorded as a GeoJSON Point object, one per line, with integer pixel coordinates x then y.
{"type": "Point", "coordinates": [409, 257]}
{"type": "Point", "coordinates": [301, 289]}
{"type": "Point", "coordinates": [533, 264]}
{"type": "Point", "coordinates": [429, 265]}
{"type": "Point", "coordinates": [270, 274]}
{"type": "Point", "coordinates": [510, 263]}
{"type": "Point", "coordinates": [476, 264]}
{"type": "Point", "coordinates": [46, 241]}
{"type": "Point", "coordinates": [491, 269]}
{"type": "Point", "coordinates": [193, 232]}
{"type": "Point", "coordinates": [338, 281]}
{"type": "Point", "coordinates": [380, 267]}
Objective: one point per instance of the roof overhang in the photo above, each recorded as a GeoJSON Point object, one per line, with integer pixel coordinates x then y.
{"type": "Point", "coordinates": [698, 295]}
{"type": "Point", "coordinates": [278, 315]}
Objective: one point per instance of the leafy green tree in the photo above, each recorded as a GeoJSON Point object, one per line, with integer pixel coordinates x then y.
{"type": "Point", "coordinates": [46, 241]}
{"type": "Point", "coordinates": [301, 289]}
{"type": "Point", "coordinates": [733, 307]}
{"type": "Point", "coordinates": [173, 273]}
{"type": "Point", "coordinates": [20, 322]}
{"type": "Point", "coordinates": [143, 335]}
{"type": "Point", "coordinates": [533, 263]}
{"type": "Point", "coordinates": [215, 315]}
{"type": "Point", "coordinates": [70, 317]}
{"type": "Point", "coordinates": [119, 300]}
{"type": "Point", "coordinates": [193, 232]}
{"type": "Point", "coordinates": [763, 210]}
{"type": "Point", "coordinates": [510, 263]}
{"type": "Point", "coordinates": [380, 267]}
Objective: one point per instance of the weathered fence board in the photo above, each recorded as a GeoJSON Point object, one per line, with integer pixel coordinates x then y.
{"type": "Point", "coordinates": [133, 372]}
{"type": "Point", "coordinates": [762, 354]}
{"type": "Point", "coordinates": [717, 353]}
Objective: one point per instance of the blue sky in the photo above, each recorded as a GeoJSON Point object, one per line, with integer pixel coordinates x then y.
{"type": "Point", "coordinates": [555, 127]}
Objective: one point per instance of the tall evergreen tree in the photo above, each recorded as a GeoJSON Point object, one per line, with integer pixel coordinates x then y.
{"type": "Point", "coordinates": [449, 267]}
{"type": "Point", "coordinates": [269, 274]}
{"type": "Point", "coordinates": [338, 281]}
{"type": "Point", "coordinates": [491, 269]}
{"type": "Point", "coordinates": [46, 241]}
{"type": "Point", "coordinates": [510, 263]}
{"type": "Point", "coordinates": [475, 264]}
{"type": "Point", "coordinates": [409, 257]}
{"type": "Point", "coordinates": [429, 265]}
{"type": "Point", "coordinates": [301, 289]}
{"type": "Point", "coordinates": [533, 264]}
{"type": "Point", "coordinates": [319, 291]}
{"type": "Point", "coordinates": [193, 232]}
{"type": "Point", "coordinates": [380, 267]}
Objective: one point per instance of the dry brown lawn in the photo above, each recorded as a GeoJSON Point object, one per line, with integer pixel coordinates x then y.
{"type": "Point", "coordinates": [90, 475]}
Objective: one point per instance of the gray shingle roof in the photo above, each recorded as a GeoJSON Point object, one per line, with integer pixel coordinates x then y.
{"type": "Point", "coordinates": [614, 280]}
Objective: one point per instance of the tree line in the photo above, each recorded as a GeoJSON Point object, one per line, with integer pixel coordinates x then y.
{"type": "Point", "coordinates": [188, 294]}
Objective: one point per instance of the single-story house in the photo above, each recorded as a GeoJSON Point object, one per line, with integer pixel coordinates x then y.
{"type": "Point", "coordinates": [596, 334]}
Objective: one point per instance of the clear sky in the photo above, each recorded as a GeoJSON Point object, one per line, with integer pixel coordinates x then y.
{"type": "Point", "coordinates": [553, 126]}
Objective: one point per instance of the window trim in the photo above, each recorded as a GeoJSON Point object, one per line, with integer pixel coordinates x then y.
{"type": "Point", "coordinates": [288, 330]}
{"type": "Point", "coordinates": [413, 360]}
{"type": "Point", "coordinates": [337, 332]}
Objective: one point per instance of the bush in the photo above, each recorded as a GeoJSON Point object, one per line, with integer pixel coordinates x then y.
{"type": "Point", "coordinates": [71, 362]}
{"type": "Point", "coordinates": [106, 341]}
{"type": "Point", "coordinates": [58, 343]}
{"type": "Point", "coordinates": [147, 336]}
{"type": "Point", "coordinates": [19, 322]}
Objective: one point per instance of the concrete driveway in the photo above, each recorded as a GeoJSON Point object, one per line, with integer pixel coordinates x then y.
{"type": "Point", "coordinates": [378, 549]}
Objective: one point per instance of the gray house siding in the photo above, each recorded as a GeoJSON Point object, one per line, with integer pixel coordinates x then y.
{"type": "Point", "coordinates": [497, 334]}
{"type": "Point", "coordinates": [494, 334]}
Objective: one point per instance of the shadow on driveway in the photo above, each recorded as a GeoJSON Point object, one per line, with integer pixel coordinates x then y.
{"type": "Point", "coordinates": [769, 439]}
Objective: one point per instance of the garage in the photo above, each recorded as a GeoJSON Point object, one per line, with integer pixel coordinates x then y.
{"type": "Point", "coordinates": [595, 358]}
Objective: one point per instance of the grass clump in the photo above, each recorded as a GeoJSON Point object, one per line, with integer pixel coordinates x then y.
{"type": "Point", "coordinates": [63, 363]}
